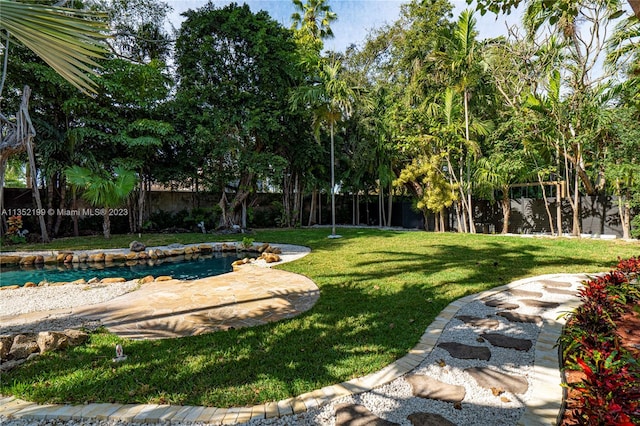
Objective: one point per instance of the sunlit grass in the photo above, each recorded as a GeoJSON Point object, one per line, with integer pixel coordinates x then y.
{"type": "Point", "coordinates": [379, 292]}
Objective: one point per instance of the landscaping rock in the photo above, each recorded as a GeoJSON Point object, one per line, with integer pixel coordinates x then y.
{"type": "Point", "coordinates": [137, 246]}
{"type": "Point", "coordinates": [205, 248]}
{"type": "Point", "coordinates": [462, 351]}
{"type": "Point", "coordinates": [23, 346]}
{"type": "Point", "coordinates": [9, 260]}
{"type": "Point", "coordinates": [500, 304]}
{"type": "Point", "coordinates": [29, 284]}
{"type": "Point", "coordinates": [164, 278]}
{"type": "Point", "coordinates": [28, 260]}
{"type": "Point", "coordinates": [270, 257]}
{"type": "Point", "coordinates": [96, 257]}
{"type": "Point", "coordinates": [76, 337]}
{"type": "Point", "coordinates": [5, 346]}
{"type": "Point", "coordinates": [428, 419]}
{"type": "Point", "coordinates": [10, 365]}
{"type": "Point", "coordinates": [488, 379]}
{"type": "Point", "coordinates": [358, 415]}
{"type": "Point", "coordinates": [112, 280]}
{"type": "Point", "coordinates": [503, 341]}
{"type": "Point", "coordinates": [516, 317]}
{"type": "Point", "coordinates": [524, 293]}
{"type": "Point", "coordinates": [427, 387]}
{"type": "Point", "coordinates": [539, 303]}
{"type": "Point", "coordinates": [10, 287]}
{"type": "Point", "coordinates": [49, 341]}
{"type": "Point", "coordinates": [554, 290]}
{"type": "Point", "coordinates": [549, 283]}
{"type": "Point", "coordinates": [479, 322]}
{"type": "Point", "coordinates": [147, 279]}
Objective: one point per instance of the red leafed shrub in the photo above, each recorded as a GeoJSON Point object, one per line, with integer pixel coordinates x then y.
{"type": "Point", "coordinates": [610, 391]}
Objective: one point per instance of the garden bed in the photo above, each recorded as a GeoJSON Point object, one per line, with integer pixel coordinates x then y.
{"type": "Point", "coordinates": [601, 351]}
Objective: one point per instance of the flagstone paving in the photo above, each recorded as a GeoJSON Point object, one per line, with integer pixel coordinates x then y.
{"type": "Point", "coordinates": [455, 338]}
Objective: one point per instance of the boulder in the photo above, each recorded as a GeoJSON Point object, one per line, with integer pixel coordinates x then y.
{"type": "Point", "coordinates": [131, 256]}
{"type": "Point", "coordinates": [28, 260]}
{"type": "Point", "coordinates": [270, 257]}
{"type": "Point", "coordinates": [5, 346]}
{"type": "Point", "coordinates": [76, 337]}
{"type": "Point", "coordinates": [9, 260]}
{"type": "Point", "coordinates": [96, 257]}
{"type": "Point", "coordinates": [205, 248]}
{"type": "Point", "coordinates": [39, 260]}
{"type": "Point", "coordinates": [30, 284]}
{"type": "Point", "coordinates": [10, 287]}
{"type": "Point", "coordinates": [147, 279]}
{"type": "Point", "coordinates": [112, 280]}
{"type": "Point", "coordinates": [137, 246]}
{"type": "Point", "coordinates": [49, 341]}
{"type": "Point", "coordinates": [23, 346]}
{"type": "Point", "coordinates": [164, 278]}
{"type": "Point", "coordinates": [10, 365]}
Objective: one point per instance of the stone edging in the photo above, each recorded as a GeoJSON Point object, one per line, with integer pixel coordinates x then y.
{"type": "Point", "coordinates": [545, 406]}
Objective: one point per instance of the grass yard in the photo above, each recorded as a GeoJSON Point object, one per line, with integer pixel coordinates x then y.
{"type": "Point", "coordinates": [379, 292]}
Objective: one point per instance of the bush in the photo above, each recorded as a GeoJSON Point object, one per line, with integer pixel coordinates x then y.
{"type": "Point", "coordinates": [610, 392]}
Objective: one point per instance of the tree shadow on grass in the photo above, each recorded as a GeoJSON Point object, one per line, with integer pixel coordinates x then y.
{"type": "Point", "coordinates": [370, 312]}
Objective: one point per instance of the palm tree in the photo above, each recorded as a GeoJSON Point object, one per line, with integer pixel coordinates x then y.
{"type": "Point", "coordinates": [331, 99]}
{"type": "Point", "coordinates": [315, 17]}
{"type": "Point", "coordinates": [68, 40]}
{"type": "Point", "coordinates": [462, 57]}
{"type": "Point", "coordinates": [103, 190]}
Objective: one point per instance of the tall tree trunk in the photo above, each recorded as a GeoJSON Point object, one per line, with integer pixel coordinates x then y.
{"type": "Point", "coordinates": [61, 204]}
{"type": "Point", "coordinates": [546, 204]}
{"type": "Point", "coordinates": [472, 225]}
{"type": "Point", "coordinates": [106, 224]}
{"type": "Point", "coordinates": [312, 208]}
{"type": "Point", "coordinates": [50, 202]}
{"type": "Point", "coordinates": [505, 203]}
{"type": "Point", "coordinates": [624, 210]}
{"type": "Point", "coordinates": [389, 204]}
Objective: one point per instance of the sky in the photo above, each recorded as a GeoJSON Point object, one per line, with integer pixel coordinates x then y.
{"type": "Point", "coordinates": [355, 17]}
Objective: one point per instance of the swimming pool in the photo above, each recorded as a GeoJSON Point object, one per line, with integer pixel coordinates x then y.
{"type": "Point", "coordinates": [183, 269]}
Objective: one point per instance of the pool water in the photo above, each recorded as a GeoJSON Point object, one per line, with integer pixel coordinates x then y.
{"type": "Point", "coordinates": [204, 266]}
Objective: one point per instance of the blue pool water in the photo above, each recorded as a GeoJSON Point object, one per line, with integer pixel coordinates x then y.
{"type": "Point", "coordinates": [204, 266]}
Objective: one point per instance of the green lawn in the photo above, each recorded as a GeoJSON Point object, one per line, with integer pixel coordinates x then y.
{"type": "Point", "coordinates": [379, 292]}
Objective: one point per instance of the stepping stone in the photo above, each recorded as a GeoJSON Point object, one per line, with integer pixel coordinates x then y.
{"type": "Point", "coordinates": [548, 283]}
{"type": "Point", "coordinates": [428, 419]}
{"type": "Point", "coordinates": [430, 388]}
{"type": "Point", "coordinates": [524, 293]}
{"type": "Point", "coordinates": [516, 317]}
{"type": "Point", "coordinates": [358, 415]}
{"type": "Point", "coordinates": [561, 291]}
{"type": "Point", "coordinates": [503, 341]}
{"type": "Point", "coordinates": [500, 304]}
{"type": "Point", "coordinates": [461, 351]}
{"type": "Point", "coordinates": [488, 379]}
{"type": "Point", "coordinates": [479, 322]}
{"type": "Point", "coordinates": [539, 303]}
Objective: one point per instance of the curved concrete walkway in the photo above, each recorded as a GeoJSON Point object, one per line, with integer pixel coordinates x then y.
{"type": "Point", "coordinates": [536, 302]}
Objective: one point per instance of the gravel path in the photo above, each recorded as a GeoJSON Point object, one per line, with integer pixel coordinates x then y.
{"type": "Point", "coordinates": [393, 401]}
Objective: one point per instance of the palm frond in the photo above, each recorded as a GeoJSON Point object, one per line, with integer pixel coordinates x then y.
{"type": "Point", "coordinates": [68, 40]}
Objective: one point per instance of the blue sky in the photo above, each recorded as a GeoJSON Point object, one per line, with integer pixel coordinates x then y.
{"type": "Point", "coordinates": [355, 17]}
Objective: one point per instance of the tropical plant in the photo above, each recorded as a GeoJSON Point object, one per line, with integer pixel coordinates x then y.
{"type": "Point", "coordinates": [103, 189]}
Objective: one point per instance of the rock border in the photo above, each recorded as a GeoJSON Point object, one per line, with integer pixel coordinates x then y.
{"type": "Point", "coordinates": [136, 254]}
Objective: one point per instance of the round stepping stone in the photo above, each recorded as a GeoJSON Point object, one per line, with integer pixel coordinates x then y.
{"type": "Point", "coordinates": [479, 322]}
{"type": "Point", "coordinates": [549, 283]}
{"type": "Point", "coordinates": [428, 419]}
{"type": "Point", "coordinates": [503, 341]}
{"type": "Point", "coordinates": [462, 351]}
{"type": "Point", "coordinates": [500, 304]}
{"type": "Point", "coordinates": [561, 291]}
{"type": "Point", "coordinates": [488, 379]}
{"type": "Point", "coordinates": [516, 317]}
{"type": "Point", "coordinates": [358, 415]}
{"type": "Point", "coordinates": [430, 388]}
{"type": "Point", "coordinates": [524, 293]}
{"type": "Point", "coordinates": [539, 303]}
